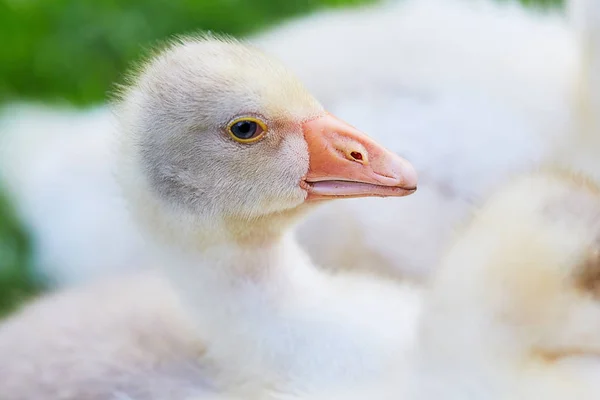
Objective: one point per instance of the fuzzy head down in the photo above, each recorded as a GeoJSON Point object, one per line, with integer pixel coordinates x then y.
{"type": "Point", "coordinates": [179, 165]}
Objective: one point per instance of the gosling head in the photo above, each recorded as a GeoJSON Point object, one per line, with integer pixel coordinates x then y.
{"type": "Point", "coordinates": [216, 137]}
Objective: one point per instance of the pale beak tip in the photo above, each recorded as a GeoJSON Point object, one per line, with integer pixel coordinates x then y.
{"type": "Point", "coordinates": [403, 172]}
{"type": "Point", "coordinates": [409, 177]}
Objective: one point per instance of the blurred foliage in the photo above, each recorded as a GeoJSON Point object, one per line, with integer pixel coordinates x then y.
{"type": "Point", "coordinates": [542, 3]}
{"type": "Point", "coordinates": [75, 49]}
{"type": "Point", "coordinates": [16, 281]}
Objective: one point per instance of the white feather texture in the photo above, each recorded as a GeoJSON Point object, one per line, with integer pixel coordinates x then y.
{"type": "Point", "coordinates": [514, 310]}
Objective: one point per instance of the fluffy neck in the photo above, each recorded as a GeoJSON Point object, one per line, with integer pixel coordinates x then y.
{"type": "Point", "coordinates": [268, 316]}
{"type": "Point", "coordinates": [272, 319]}
{"type": "Point", "coordinates": [236, 296]}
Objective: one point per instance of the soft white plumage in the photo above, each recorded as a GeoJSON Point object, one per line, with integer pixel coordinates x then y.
{"type": "Point", "coordinates": [514, 310]}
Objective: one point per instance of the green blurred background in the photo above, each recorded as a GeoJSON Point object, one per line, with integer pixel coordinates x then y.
{"type": "Point", "coordinates": [73, 50]}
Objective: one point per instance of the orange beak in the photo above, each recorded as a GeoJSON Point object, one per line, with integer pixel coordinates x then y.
{"type": "Point", "coordinates": [345, 162]}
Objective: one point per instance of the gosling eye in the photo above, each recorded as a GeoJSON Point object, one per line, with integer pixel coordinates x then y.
{"type": "Point", "coordinates": [247, 130]}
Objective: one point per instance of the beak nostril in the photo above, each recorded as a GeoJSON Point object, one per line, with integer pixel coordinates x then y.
{"type": "Point", "coordinates": [357, 156]}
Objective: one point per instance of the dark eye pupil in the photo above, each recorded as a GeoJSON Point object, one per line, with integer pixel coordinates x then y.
{"type": "Point", "coordinates": [244, 129]}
